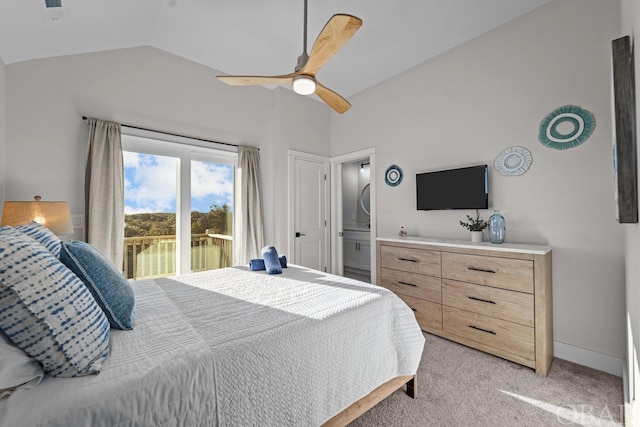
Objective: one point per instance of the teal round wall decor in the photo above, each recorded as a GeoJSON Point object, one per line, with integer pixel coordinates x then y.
{"type": "Point", "coordinates": [393, 176]}
{"type": "Point", "coordinates": [566, 127]}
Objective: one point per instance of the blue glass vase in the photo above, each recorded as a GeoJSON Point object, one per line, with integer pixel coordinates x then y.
{"type": "Point", "coordinates": [496, 228]}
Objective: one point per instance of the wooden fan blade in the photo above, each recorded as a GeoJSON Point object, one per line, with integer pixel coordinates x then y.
{"type": "Point", "coordinates": [256, 80]}
{"type": "Point", "coordinates": [332, 99]}
{"type": "Point", "coordinates": [337, 31]}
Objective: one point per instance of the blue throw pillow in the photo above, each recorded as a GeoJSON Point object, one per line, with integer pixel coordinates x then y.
{"type": "Point", "coordinates": [47, 311]}
{"type": "Point", "coordinates": [271, 261]}
{"type": "Point", "coordinates": [42, 235]}
{"type": "Point", "coordinates": [108, 286]}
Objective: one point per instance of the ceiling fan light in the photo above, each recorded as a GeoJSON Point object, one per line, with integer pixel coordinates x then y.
{"type": "Point", "coordinates": [304, 85]}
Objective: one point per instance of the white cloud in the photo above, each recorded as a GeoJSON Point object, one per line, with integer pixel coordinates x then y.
{"type": "Point", "coordinates": [130, 159]}
{"type": "Point", "coordinates": [128, 210]}
{"type": "Point", "coordinates": [209, 179]}
{"type": "Point", "coordinates": [150, 183]}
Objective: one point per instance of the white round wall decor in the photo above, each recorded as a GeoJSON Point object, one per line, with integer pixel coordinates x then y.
{"type": "Point", "coordinates": [513, 161]}
{"type": "Point", "coordinates": [566, 127]}
{"type": "Point", "coordinates": [393, 175]}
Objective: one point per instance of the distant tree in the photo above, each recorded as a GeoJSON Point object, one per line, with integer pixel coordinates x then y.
{"type": "Point", "coordinates": [150, 224]}
{"type": "Point", "coordinates": [199, 222]}
{"type": "Point", "coordinates": [218, 221]}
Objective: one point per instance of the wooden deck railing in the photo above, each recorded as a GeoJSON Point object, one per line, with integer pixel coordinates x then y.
{"type": "Point", "coordinates": [155, 256]}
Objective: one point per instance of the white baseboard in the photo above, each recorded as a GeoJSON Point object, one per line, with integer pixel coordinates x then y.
{"type": "Point", "coordinates": [625, 386]}
{"type": "Point", "coordinates": [602, 362]}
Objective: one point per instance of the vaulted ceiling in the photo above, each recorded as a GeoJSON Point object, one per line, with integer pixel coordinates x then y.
{"type": "Point", "coordinates": [257, 37]}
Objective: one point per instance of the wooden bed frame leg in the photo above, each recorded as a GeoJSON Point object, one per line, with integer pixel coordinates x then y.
{"type": "Point", "coordinates": [412, 387]}
{"type": "Point", "coordinates": [362, 405]}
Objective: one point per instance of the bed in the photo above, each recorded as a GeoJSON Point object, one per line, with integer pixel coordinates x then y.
{"type": "Point", "coordinates": [234, 347]}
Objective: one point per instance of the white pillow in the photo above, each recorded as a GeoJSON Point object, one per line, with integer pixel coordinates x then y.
{"type": "Point", "coordinates": [48, 312]}
{"type": "Point", "coordinates": [17, 370]}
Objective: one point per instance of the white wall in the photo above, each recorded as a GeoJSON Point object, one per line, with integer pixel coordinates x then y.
{"type": "Point", "coordinates": [630, 14]}
{"type": "Point", "coordinates": [350, 193]}
{"type": "Point", "coordinates": [144, 87]}
{"type": "Point", "coordinates": [467, 105]}
{"type": "Point", "coordinates": [3, 126]}
{"type": "Point", "coordinates": [364, 178]}
{"type": "Point", "coordinates": [301, 124]}
{"type": "Point", "coordinates": [354, 179]}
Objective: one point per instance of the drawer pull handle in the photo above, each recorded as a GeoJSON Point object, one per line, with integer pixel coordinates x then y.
{"type": "Point", "coordinates": [407, 259]}
{"type": "Point", "coordinates": [481, 300]}
{"type": "Point", "coordinates": [408, 284]}
{"type": "Point", "coordinates": [481, 269]}
{"type": "Point", "coordinates": [483, 330]}
{"type": "Point", "coordinates": [414, 309]}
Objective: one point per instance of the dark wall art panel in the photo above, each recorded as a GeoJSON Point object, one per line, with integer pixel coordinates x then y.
{"type": "Point", "coordinates": [624, 148]}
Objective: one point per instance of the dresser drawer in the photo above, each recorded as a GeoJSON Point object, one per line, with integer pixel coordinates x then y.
{"type": "Point", "coordinates": [411, 260]}
{"type": "Point", "coordinates": [428, 314]}
{"type": "Point", "coordinates": [493, 302]}
{"type": "Point", "coordinates": [506, 273]}
{"type": "Point", "coordinates": [499, 334]}
{"type": "Point", "coordinates": [412, 284]}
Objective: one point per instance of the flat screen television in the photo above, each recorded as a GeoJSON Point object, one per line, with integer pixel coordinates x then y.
{"type": "Point", "coordinates": [462, 188]}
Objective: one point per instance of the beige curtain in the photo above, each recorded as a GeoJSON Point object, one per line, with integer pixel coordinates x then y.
{"type": "Point", "coordinates": [249, 234]}
{"type": "Point", "coordinates": [104, 190]}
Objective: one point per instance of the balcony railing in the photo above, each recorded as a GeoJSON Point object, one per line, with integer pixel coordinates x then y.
{"type": "Point", "coordinates": [155, 256]}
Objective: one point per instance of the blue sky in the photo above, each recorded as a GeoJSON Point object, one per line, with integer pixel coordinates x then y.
{"type": "Point", "coordinates": [150, 184]}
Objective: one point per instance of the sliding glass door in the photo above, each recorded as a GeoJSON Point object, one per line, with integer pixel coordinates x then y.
{"type": "Point", "coordinates": [178, 207]}
{"type": "Point", "coordinates": [211, 215]}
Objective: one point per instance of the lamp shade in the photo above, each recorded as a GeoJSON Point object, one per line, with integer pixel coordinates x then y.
{"type": "Point", "coordinates": [56, 216]}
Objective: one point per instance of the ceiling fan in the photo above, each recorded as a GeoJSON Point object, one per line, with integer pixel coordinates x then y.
{"type": "Point", "coordinates": [336, 32]}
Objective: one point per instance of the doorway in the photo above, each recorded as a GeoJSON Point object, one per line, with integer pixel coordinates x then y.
{"type": "Point", "coordinates": [353, 215]}
{"type": "Point", "coordinates": [356, 219]}
{"type": "Point", "coordinates": [323, 194]}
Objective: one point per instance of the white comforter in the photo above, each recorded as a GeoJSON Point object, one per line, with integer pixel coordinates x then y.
{"type": "Point", "coordinates": [159, 370]}
{"type": "Point", "coordinates": [254, 349]}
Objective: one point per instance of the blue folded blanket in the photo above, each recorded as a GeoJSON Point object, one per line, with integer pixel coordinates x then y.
{"type": "Point", "coordinates": [257, 264]}
{"type": "Point", "coordinates": [271, 261]}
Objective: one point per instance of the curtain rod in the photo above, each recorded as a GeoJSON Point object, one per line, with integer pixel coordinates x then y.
{"type": "Point", "coordinates": [175, 134]}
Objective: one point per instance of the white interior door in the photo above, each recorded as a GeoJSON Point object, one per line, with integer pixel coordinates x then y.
{"type": "Point", "coordinates": [309, 187]}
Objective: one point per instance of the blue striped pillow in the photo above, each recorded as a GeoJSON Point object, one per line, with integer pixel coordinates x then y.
{"type": "Point", "coordinates": [7, 230]}
{"type": "Point", "coordinates": [43, 235]}
{"type": "Point", "coordinates": [48, 312]}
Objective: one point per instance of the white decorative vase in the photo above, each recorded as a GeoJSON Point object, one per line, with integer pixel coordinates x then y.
{"type": "Point", "coordinates": [476, 236]}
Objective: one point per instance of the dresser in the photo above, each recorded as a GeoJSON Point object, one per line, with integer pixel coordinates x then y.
{"type": "Point", "coordinates": [495, 298]}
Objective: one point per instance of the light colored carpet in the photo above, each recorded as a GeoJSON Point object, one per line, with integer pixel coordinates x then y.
{"type": "Point", "coordinates": [460, 386]}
